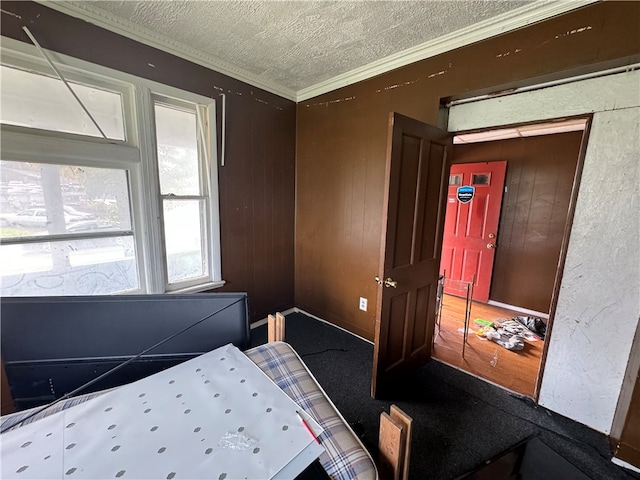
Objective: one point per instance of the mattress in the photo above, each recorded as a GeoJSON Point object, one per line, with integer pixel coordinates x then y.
{"type": "Point", "coordinates": [345, 458]}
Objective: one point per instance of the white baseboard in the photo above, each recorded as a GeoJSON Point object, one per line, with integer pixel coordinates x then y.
{"type": "Point", "coordinates": [623, 464]}
{"type": "Point", "coordinates": [518, 309]}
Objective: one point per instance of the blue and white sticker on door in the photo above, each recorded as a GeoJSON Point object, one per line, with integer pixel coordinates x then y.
{"type": "Point", "coordinates": [465, 194]}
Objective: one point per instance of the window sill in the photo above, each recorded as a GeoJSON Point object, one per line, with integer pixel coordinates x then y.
{"type": "Point", "coordinates": [200, 288]}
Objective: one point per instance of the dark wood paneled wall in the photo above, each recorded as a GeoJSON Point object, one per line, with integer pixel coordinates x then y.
{"type": "Point", "coordinates": [625, 430]}
{"type": "Point", "coordinates": [540, 173]}
{"type": "Point", "coordinates": [257, 184]}
{"type": "Point", "coordinates": [341, 142]}
{"type": "Point", "coordinates": [628, 446]}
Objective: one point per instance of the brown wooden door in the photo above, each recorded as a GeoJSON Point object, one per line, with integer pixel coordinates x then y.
{"type": "Point", "coordinates": [412, 241]}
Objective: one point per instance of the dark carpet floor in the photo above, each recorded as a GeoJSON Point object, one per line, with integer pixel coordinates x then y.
{"type": "Point", "coordinates": [459, 421]}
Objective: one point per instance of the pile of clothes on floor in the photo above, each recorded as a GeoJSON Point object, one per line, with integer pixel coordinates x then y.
{"type": "Point", "coordinates": [511, 333]}
{"type": "Point", "coordinates": [534, 324]}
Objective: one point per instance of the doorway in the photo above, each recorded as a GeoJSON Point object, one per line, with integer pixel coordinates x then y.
{"type": "Point", "coordinates": [534, 218]}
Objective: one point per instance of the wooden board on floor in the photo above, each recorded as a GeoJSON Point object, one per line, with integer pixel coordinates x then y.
{"type": "Point", "coordinates": [406, 421]}
{"type": "Point", "coordinates": [276, 328]}
{"type": "Point", "coordinates": [390, 447]}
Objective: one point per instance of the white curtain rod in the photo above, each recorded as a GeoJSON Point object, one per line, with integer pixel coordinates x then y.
{"type": "Point", "coordinates": [586, 76]}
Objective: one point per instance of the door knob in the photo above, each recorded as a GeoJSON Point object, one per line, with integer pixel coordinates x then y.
{"type": "Point", "coordinates": [491, 245]}
{"type": "Point", "coordinates": [388, 282]}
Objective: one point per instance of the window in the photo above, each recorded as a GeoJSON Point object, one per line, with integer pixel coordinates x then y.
{"type": "Point", "coordinates": [480, 179]}
{"type": "Point", "coordinates": [79, 234]}
{"type": "Point", "coordinates": [455, 179]}
{"type": "Point", "coordinates": [133, 211]}
{"type": "Point", "coordinates": [183, 192]}
{"type": "Point", "coordinates": [39, 101]}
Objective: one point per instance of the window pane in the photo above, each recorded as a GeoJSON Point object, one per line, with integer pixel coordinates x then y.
{"type": "Point", "coordinates": [455, 179]}
{"type": "Point", "coordinates": [70, 267]}
{"type": "Point", "coordinates": [480, 178]}
{"type": "Point", "coordinates": [176, 134]}
{"type": "Point", "coordinates": [184, 239]}
{"type": "Point", "coordinates": [41, 199]}
{"type": "Point", "coordinates": [37, 101]}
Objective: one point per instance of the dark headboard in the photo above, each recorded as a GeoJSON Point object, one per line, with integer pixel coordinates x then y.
{"type": "Point", "coordinates": [52, 345]}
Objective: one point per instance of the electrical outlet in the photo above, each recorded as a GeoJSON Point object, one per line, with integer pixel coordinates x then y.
{"type": "Point", "coordinates": [363, 304]}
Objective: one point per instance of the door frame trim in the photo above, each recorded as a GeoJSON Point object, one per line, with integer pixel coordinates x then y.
{"type": "Point", "coordinates": [588, 117]}
{"type": "Point", "coordinates": [577, 178]}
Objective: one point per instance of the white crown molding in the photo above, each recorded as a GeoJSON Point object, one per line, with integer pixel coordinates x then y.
{"type": "Point", "coordinates": [504, 23]}
{"type": "Point", "coordinates": [86, 11]}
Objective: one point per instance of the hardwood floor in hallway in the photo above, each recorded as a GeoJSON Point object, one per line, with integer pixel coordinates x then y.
{"type": "Point", "coordinates": [514, 370]}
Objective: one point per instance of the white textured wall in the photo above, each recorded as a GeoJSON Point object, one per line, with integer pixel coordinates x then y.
{"type": "Point", "coordinates": [599, 303]}
{"type": "Point", "coordinates": [598, 308]}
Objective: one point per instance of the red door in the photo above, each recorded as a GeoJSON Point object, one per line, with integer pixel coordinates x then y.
{"type": "Point", "coordinates": [471, 226]}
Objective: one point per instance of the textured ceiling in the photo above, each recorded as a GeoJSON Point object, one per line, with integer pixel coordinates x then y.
{"type": "Point", "coordinates": [298, 44]}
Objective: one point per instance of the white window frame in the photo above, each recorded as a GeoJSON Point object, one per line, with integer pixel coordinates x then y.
{"type": "Point", "coordinates": [136, 154]}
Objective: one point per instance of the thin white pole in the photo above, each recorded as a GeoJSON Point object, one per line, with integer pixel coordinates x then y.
{"type": "Point", "coordinates": [46, 57]}
{"type": "Point", "coordinates": [552, 83]}
{"type": "Point", "coordinates": [203, 137]}
{"type": "Point", "coordinates": [223, 129]}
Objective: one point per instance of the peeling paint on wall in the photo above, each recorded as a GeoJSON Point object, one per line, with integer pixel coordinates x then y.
{"type": "Point", "coordinates": [397, 85]}
{"type": "Point", "coordinates": [506, 54]}
{"type": "Point", "coordinates": [12, 14]}
{"type": "Point", "coordinates": [574, 31]}
{"type": "Point", "coordinates": [441, 72]}
{"type": "Point", "coordinates": [220, 89]}
{"type": "Point", "coordinates": [326, 104]}
{"type": "Point", "coordinates": [567, 34]}
{"type": "Point", "coordinates": [260, 100]}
